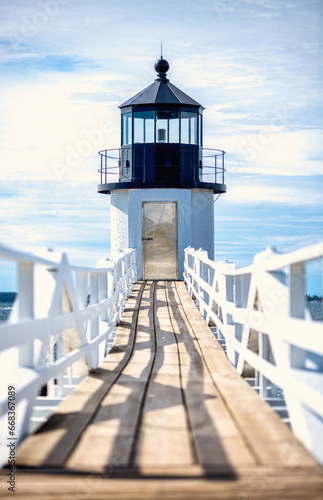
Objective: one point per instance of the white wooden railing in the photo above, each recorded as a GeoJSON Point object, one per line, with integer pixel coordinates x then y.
{"type": "Point", "coordinates": [261, 312]}
{"type": "Point", "coordinates": [61, 320]}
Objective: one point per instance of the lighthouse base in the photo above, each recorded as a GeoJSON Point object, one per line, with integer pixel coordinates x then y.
{"type": "Point", "coordinates": [184, 217]}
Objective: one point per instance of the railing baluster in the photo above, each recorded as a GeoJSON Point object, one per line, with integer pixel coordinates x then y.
{"type": "Point", "coordinates": [212, 167]}
{"type": "Point", "coordinates": [26, 308]}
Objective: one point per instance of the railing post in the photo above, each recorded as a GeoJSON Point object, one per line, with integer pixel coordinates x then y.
{"type": "Point", "coordinates": [81, 288]}
{"type": "Point", "coordinates": [107, 286]}
{"type": "Point", "coordinates": [297, 292]}
{"type": "Point", "coordinates": [25, 351]}
{"type": "Point", "coordinates": [185, 273]}
{"type": "Point", "coordinates": [103, 291]}
{"type": "Point", "coordinates": [94, 299]}
{"type": "Point", "coordinates": [26, 309]}
{"type": "Point", "coordinates": [215, 167]}
{"type": "Point", "coordinates": [45, 287]}
{"type": "Point", "coordinates": [263, 353]}
{"type": "Point", "coordinates": [106, 166]}
{"type": "Point", "coordinates": [200, 290]}
{"type": "Point", "coordinates": [226, 292]}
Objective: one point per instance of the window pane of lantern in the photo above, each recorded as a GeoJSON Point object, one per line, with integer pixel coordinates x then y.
{"type": "Point", "coordinates": [185, 129]}
{"type": "Point", "coordinates": [193, 129]}
{"type": "Point", "coordinates": [144, 126]}
{"type": "Point", "coordinates": [126, 129]}
{"type": "Point", "coordinates": [189, 128]}
{"type": "Point", "coordinates": [161, 126]}
{"type": "Point", "coordinates": [162, 131]}
{"type": "Point", "coordinates": [174, 127]}
{"type": "Point", "coordinates": [149, 126]}
{"type": "Point", "coordinates": [138, 135]}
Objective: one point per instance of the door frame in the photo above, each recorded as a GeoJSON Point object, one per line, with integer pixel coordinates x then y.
{"type": "Point", "coordinates": [176, 239]}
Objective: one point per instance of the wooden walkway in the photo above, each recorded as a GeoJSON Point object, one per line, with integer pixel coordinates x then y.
{"type": "Point", "coordinates": [165, 416]}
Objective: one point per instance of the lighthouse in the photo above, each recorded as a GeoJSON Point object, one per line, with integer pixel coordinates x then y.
{"type": "Point", "coordinates": [162, 182]}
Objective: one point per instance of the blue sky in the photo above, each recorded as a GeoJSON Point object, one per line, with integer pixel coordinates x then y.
{"type": "Point", "coordinates": [66, 65]}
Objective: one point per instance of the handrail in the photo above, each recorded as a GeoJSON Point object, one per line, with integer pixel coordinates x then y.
{"type": "Point", "coordinates": [111, 162]}
{"type": "Point", "coordinates": [61, 320]}
{"type": "Point", "coordinates": [261, 313]}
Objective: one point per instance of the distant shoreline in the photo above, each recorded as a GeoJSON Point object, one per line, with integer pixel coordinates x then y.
{"type": "Point", "coordinates": [315, 305]}
{"type": "Point", "coordinates": [313, 298]}
{"type": "Point", "coordinates": [10, 296]}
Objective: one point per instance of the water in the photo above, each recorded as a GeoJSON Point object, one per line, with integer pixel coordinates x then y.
{"type": "Point", "coordinates": [316, 310]}
{"type": "Point", "coordinates": [7, 299]}
{"type": "Point", "coordinates": [6, 303]}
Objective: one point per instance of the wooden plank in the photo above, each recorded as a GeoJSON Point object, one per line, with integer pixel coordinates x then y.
{"type": "Point", "coordinates": [254, 485]}
{"type": "Point", "coordinates": [216, 438]}
{"type": "Point", "coordinates": [111, 436]}
{"type": "Point", "coordinates": [164, 438]}
{"type": "Point", "coordinates": [263, 432]}
{"type": "Point", "coordinates": [53, 442]}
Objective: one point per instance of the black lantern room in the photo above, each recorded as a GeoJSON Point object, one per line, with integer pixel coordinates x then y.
{"type": "Point", "coordinates": [161, 142]}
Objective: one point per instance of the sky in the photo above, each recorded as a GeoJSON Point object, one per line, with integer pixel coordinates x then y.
{"type": "Point", "coordinates": [255, 65]}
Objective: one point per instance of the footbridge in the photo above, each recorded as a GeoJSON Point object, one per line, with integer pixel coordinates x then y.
{"type": "Point", "coordinates": [118, 388]}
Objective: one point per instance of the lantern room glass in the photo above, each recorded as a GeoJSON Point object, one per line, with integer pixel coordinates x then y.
{"type": "Point", "coordinates": [162, 126]}
{"type": "Point", "coordinates": [167, 126]}
{"type": "Point", "coordinates": [144, 126]}
{"type": "Point", "coordinates": [188, 128]}
{"type": "Point", "coordinates": [126, 129]}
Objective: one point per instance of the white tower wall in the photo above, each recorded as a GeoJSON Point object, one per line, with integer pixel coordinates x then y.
{"type": "Point", "coordinates": [203, 220]}
{"type": "Point", "coordinates": [119, 220]}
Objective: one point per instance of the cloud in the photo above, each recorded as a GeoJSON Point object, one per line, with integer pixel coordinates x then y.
{"type": "Point", "coordinates": [273, 194]}
{"type": "Point", "coordinates": [69, 217]}
{"type": "Point", "coordinates": [254, 64]}
{"type": "Point", "coordinates": [268, 150]}
{"type": "Point", "coordinates": [244, 229]}
{"type": "Point", "coordinates": [44, 125]}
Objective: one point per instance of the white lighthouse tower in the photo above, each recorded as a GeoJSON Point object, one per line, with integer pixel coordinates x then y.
{"type": "Point", "coordinates": [162, 181]}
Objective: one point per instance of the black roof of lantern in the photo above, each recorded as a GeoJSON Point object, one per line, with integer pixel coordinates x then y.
{"type": "Point", "coordinates": [161, 91]}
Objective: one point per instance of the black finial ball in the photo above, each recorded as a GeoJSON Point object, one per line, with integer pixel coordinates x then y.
{"type": "Point", "coordinates": [161, 66]}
